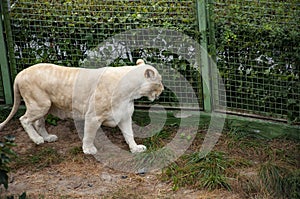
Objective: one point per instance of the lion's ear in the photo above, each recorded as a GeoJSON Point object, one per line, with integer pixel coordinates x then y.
{"type": "Point", "coordinates": [140, 62]}
{"type": "Point", "coordinates": [149, 74]}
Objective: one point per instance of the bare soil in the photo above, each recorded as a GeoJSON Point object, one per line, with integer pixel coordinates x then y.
{"type": "Point", "coordinates": [61, 170]}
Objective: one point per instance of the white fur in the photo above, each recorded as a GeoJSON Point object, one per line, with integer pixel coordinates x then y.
{"type": "Point", "coordinates": [100, 96]}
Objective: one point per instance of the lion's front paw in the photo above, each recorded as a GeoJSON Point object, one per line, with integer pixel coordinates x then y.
{"type": "Point", "coordinates": [50, 138]}
{"type": "Point", "coordinates": [89, 150]}
{"type": "Point", "coordinates": [138, 149]}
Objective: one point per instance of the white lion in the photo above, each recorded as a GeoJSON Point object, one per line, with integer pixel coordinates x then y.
{"type": "Point", "coordinates": [103, 96]}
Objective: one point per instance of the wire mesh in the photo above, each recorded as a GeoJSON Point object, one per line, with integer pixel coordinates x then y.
{"type": "Point", "coordinates": [257, 45]}
{"type": "Point", "coordinates": [64, 32]}
{"type": "Point", "coordinates": [258, 56]}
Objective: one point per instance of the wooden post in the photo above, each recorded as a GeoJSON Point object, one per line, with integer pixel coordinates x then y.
{"type": "Point", "coordinates": [204, 58]}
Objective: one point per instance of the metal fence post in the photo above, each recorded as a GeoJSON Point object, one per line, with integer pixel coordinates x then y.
{"type": "Point", "coordinates": [4, 61]}
{"type": "Point", "coordinates": [9, 39]}
{"type": "Point", "coordinates": [204, 59]}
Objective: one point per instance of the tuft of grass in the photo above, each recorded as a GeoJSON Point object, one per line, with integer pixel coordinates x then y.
{"type": "Point", "coordinates": [46, 157]}
{"type": "Point", "coordinates": [271, 176]}
{"type": "Point", "coordinates": [194, 170]}
{"type": "Point", "coordinates": [251, 187]}
{"type": "Point", "coordinates": [280, 181]}
{"type": "Point", "coordinates": [291, 184]}
{"type": "Point", "coordinates": [153, 158]}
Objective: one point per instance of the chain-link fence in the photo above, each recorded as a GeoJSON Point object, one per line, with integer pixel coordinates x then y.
{"type": "Point", "coordinates": [258, 56]}
{"type": "Point", "coordinates": [255, 43]}
{"type": "Point", "coordinates": [67, 32]}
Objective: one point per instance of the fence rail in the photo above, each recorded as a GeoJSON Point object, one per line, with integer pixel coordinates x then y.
{"type": "Point", "coordinates": [255, 45]}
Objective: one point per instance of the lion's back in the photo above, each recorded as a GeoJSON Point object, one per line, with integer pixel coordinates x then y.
{"type": "Point", "coordinates": [48, 82]}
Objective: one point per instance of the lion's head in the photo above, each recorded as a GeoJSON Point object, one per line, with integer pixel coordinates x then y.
{"type": "Point", "coordinates": [152, 86]}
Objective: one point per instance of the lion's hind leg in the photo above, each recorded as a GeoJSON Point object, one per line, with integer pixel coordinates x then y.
{"type": "Point", "coordinates": [35, 110]}
{"type": "Point", "coordinates": [27, 124]}
{"type": "Point", "coordinates": [40, 128]}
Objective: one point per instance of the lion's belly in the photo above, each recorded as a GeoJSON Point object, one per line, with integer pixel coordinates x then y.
{"type": "Point", "coordinates": [62, 114]}
{"type": "Point", "coordinates": [110, 123]}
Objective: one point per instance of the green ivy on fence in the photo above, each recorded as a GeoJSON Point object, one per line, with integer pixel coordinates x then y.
{"type": "Point", "coordinates": [62, 31]}
{"type": "Point", "coordinates": [258, 55]}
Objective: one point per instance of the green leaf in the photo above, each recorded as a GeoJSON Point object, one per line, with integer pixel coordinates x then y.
{"type": "Point", "coordinates": [4, 178]}
{"type": "Point", "coordinates": [23, 196]}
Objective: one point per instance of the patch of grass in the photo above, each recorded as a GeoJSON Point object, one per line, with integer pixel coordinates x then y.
{"type": "Point", "coordinates": [39, 159]}
{"type": "Point", "coordinates": [75, 154]}
{"type": "Point", "coordinates": [156, 155]}
{"type": "Point", "coordinates": [159, 139]}
{"type": "Point", "coordinates": [77, 150]}
{"type": "Point", "coordinates": [273, 180]}
{"type": "Point", "coordinates": [281, 150]}
{"type": "Point", "coordinates": [251, 187]}
{"type": "Point", "coordinates": [272, 163]}
{"type": "Point", "coordinates": [195, 171]}
{"type": "Point", "coordinates": [125, 193]}
{"type": "Point", "coordinates": [244, 137]}
{"type": "Point", "coordinates": [244, 142]}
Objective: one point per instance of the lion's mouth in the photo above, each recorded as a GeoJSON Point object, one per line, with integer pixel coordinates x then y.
{"type": "Point", "coordinates": [157, 95]}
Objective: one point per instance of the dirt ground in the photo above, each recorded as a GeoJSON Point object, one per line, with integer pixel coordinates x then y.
{"type": "Point", "coordinates": [61, 170]}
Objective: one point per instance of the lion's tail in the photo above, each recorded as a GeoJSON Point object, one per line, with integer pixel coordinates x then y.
{"type": "Point", "coordinates": [17, 102]}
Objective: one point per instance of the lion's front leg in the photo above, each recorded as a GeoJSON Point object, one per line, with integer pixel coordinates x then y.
{"type": "Point", "coordinates": [126, 128]}
{"type": "Point", "coordinates": [90, 129]}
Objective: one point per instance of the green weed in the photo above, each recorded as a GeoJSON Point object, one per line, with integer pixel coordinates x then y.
{"type": "Point", "coordinates": [199, 172]}
{"type": "Point", "coordinates": [52, 120]}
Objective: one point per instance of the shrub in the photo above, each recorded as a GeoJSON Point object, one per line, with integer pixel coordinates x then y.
{"type": "Point", "coordinates": [6, 153]}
